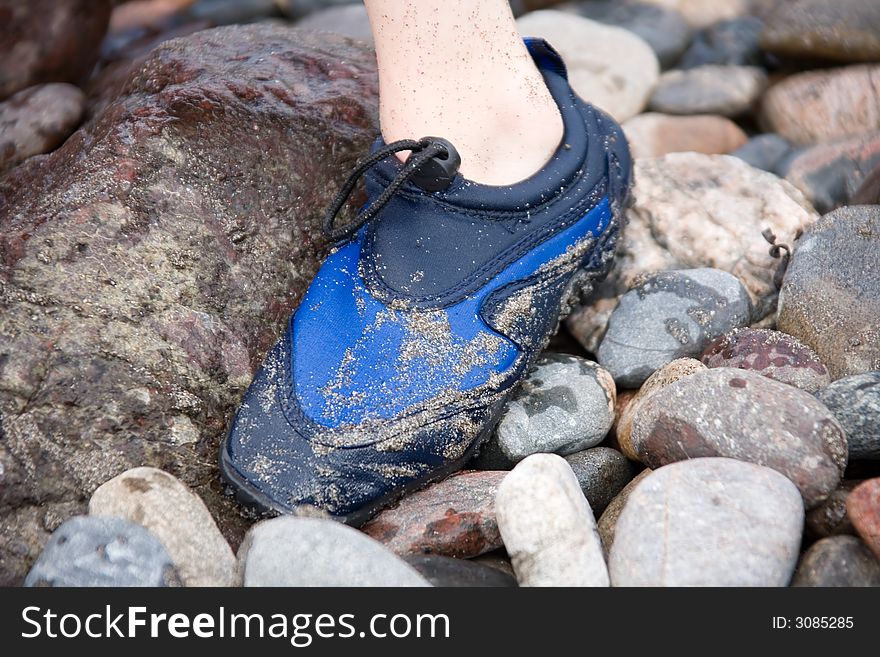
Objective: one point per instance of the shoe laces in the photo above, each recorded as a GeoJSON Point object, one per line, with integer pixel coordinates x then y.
{"type": "Point", "coordinates": [432, 165]}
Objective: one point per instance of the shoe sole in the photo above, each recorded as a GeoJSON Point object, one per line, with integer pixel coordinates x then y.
{"type": "Point", "coordinates": [259, 505]}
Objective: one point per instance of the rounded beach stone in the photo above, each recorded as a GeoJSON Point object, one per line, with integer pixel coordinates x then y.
{"type": "Point", "coordinates": [839, 30]}
{"type": "Point", "coordinates": [37, 120]}
{"type": "Point", "coordinates": [828, 300]}
{"type": "Point", "coordinates": [669, 373]}
{"type": "Point", "coordinates": [825, 104]}
{"type": "Point", "coordinates": [669, 315]}
{"type": "Point", "coordinates": [830, 517]}
{"type": "Point", "coordinates": [708, 522]}
{"type": "Point", "coordinates": [548, 527]}
{"type": "Point", "coordinates": [653, 134]}
{"type": "Point", "coordinates": [855, 402]}
{"type": "Point", "coordinates": [87, 551]}
{"type": "Point", "coordinates": [564, 405]}
{"type": "Point", "coordinates": [177, 516]}
{"type": "Point", "coordinates": [734, 41]}
{"type": "Point", "coordinates": [615, 84]}
{"type": "Point", "coordinates": [838, 561]}
{"type": "Point", "coordinates": [773, 354]}
{"type": "Point", "coordinates": [290, 551]}
{"type": "Point", "coordinates": [743, 415]}
{"type": "Point", "coordinates": [700, 13]}
{"type": "Point", "coordinates": [863, 508]}
{"type": "Point", "coordinates": [454, 517]}
{"type": "Point", "coordinates": [608, 522]}
{"type": "Point", "coordinates": [602, 473]}
{"type": "Point", "coordinates": [708, 89]}
{"type": "Point", "coordinates": [765, 152]}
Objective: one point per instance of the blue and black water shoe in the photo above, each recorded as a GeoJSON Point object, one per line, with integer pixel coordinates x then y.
{"type": "Point", "coordinates": [426, 315]}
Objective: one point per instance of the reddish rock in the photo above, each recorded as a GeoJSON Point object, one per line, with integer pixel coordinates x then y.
{"type": "Point", "coordinates": [824, 105]}
{"type": "Point", "coordinates": [49, 41]}
{"type": "Point", "coordinates": [742, 415]}
{"type": "Point", "coordinates": [773, 354]}
{"type": "Point", "coordinates": [148, 263]}
{"type": "Point", "coordinates": [455, 518]}
{"type": "Point", "coordinates": [37, 120]}
{"type": "Point", "coordinates": [863, 508]}
{"type": "Point", "coordinates": [652, 134]}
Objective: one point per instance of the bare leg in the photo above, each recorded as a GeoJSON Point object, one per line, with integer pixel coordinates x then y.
{"type": "Point", "coordinates": [458, 69]}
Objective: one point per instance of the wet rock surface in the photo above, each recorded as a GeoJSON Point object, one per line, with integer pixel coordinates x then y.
{"type": "Point", "coordinates": [826, 300]}
{"type": "Point", "coordinates": [618, 85]}
{"type": "Point", "coordinates": [88, 551]}
{"type": "Point", "coordinates": [773, 354]}
{"type": "Point", "coordinates": [708, 522]}
{"type": "Point", "coordinates": [838, 561]}
{"type": "Point", "coordinates": [455, 518]}
{"type": "Point", "coordinates": [148, 263]}
{"type": "Point", "coordinates": [855, 402]}
{"type": "Point", "coordinates": [725, 412]}
{"type": "Point", "coordinates": [564, 405]}
{"type": "Point", "coordinates": [290, 551]}
{"type": "Point", "coordinates": [37, 120]}
{"type": "Point", "coordinates": [653, 134]}
{"type": "Point", "coordinates": [667, 316]}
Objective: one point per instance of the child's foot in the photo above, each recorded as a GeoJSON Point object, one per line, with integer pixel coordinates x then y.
{"type": "Point", "coordinates": [417, 328]}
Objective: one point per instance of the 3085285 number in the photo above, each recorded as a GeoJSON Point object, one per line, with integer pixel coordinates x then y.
{"type": "Point", "coordinates": [823, 622]}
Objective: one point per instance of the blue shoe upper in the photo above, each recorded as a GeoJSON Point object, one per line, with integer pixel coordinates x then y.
{"type": "Point", "coordinates": [414, 332]}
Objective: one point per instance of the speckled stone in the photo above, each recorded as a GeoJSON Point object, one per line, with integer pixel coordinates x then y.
{"type": "Point", "coordinates": [289, 551]}
{"type": "Point", "coordinates": [608, 521]}
{"type": "Point", "coordinates": [824, 105]}
{"type": "Point", "coordinates": [686, 204]}
{"type": "Point", "coordinates": [564, 405]}
{"type": "Point", "coordinates": [669, 373]}
{"type": "Point", "coordinates": [547, 526]}
{"type": "Point", "coordinates": [665, 30]}
{"type": "Point", "coordinates": [830, 174]}
{"type": "Point", "coordinates": [449, 572]}
{"type": "Point", "coordinates": [830, 518]}
{"type": "Point", "coordinates": [743, 415]}
{"type": "Point", "coordinates": [177, 516]}
{"type": "Point", "coordinates": [615, 84]}
{"type": "Point", "coordinates": [734, 41]}
{"type": "Point", "coordinates": [708, 522]}
{"type": "Point", "coordinates": [102, 552]}
{"type": "Point", "coordinates": [855, 402]}
{"type": "Point", "coordinates": [602, 473]}
{"type": "Point", "coordinates": [653, 134]}
{"type": "Point", "coordinates": [708, 89]}
{"type": "Point", "coordinates": [773, 354]}
{"type": "Point", "coordinates": [765, 152]}
{"type": "Point", "coordinates": [454, 517]}
{"type": "Point", "coordinates": [863, 508]}
{"type": "Point", "coordinates": [827, 301]}
{"type": "Point", "coordinates": [838, 561]}
{"type": "Point", "coordinates": [838, 30]}
{"type": "Point", "coordinates": [670, 315]}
